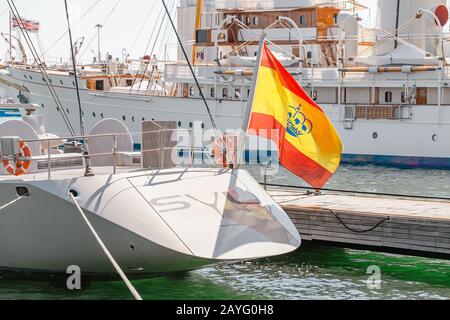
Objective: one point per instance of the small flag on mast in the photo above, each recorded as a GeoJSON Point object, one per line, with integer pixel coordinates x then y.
{"type": "Point", "coordinates": [307, 141]}
{"type": "Point", "coordinates": [29, 25]}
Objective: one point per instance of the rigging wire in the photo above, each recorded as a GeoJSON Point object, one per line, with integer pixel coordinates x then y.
{"type": "Point", "coordinates": [143, 26]}
{"type": "Point", "coordinates": [153, 49]}
{"type": "Point", "coordinates": [41, 66]}
{"type": "Point", "coordinates": [165, 39]}
{"type": "Point", "coordinates": [76, 22]}
{"type": "Point", "coordinates": [74, 64]}
{"type": "Point", "coordinates": [213, 122]}
{"type": "Point", "coordinates": [154, 46]}
{"type": "Point", "coordinates": [103, 23]}
{"type": "Point", "coordinates": [160, 16]}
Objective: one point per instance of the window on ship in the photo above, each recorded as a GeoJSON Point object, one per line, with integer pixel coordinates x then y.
{"type": "Point", "coordinates": [225, 93]}
{"type": "Point", "coordinates": [302, 20]}
{"type": "Point", "coordinates": [237, 93]}
{"type": "Point", "coordinates": [388, 96]}
{"type": "Point", "coordinates": [99, 85]}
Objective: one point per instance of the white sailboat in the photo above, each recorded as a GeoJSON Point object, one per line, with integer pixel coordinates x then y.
{"type": "Point", "coordinates": [153, 221]}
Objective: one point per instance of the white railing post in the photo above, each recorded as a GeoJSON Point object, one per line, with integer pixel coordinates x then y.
{"type": "Point", "coordinates": [114, 154]}
{"type": "Point", "coordinates": [49, 160]}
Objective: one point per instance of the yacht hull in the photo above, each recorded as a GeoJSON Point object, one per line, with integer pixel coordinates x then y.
{"type": "Point", "coordinates": [147, 228]}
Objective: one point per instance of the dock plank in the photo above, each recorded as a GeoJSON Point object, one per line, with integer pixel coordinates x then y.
{"type": "Point", "coordinates": [415, 226]}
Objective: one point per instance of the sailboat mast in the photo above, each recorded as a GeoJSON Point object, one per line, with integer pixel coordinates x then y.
{"type": "Point", "coordinates": [197, 26]}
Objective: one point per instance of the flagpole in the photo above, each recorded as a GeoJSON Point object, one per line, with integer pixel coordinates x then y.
{"type": "Point", "coordinates": [249, 109]}
{"type": "Point", "coordinates": [10, 37]}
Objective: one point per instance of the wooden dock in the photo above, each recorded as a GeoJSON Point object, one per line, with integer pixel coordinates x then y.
{"type": "Point", "coordinates": [405, 225]}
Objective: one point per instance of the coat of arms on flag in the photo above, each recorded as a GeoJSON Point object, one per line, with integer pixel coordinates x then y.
{"type": "Point", "coordinates": [28, 25]}
{"type": "Point", "coordinates": [308, 144]}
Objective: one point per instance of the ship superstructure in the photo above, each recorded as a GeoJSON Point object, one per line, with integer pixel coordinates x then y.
{"type": "Point", "coordinates": [384, 86]}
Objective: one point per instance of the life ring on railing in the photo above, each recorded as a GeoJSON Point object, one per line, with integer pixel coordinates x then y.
{"type": "Point", "coordinates": [19, 167]}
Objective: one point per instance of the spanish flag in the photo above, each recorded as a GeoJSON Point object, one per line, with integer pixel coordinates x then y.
{"type": "Point", "coordinates": [308, 144]}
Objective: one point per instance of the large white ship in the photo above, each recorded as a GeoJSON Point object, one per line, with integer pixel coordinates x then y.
{"type": "Point", "coordinates": [385, 87]}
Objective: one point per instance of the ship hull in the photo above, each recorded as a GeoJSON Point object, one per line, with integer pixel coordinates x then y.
{"type": "Point", "coordinates": [422, 139]}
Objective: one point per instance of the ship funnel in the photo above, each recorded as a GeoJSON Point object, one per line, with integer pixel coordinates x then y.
{"type": "Point", "coordinates": [398, 17]}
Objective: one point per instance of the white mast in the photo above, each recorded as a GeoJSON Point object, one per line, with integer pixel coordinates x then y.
{"type": "Point", "coordinates": [251, 98]}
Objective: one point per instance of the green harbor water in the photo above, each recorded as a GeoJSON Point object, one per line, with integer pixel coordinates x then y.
{"type": "Point", "coordinates": [313, 272]}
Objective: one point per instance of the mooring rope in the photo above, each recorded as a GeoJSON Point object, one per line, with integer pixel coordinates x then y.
{"type": "Point", "coordinates": [359, 231]}
{"type": "Point", "coordinates": [12, 202]}
{"type": "Point", "coordinates": [356, 192]}
{"type": "Point", "coordinates": [106, 251]}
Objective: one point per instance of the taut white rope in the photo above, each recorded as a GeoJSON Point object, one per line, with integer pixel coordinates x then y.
{"type": "Point", "coordinates": [11, 203]}
{"type": "Point", "coordinates": [107, 253]}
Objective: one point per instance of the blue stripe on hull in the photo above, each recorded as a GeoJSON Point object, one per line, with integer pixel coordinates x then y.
{"type": "Point", "coordinates": [397, 161]}
{"type": "Point", "coordinates": [255, 157]}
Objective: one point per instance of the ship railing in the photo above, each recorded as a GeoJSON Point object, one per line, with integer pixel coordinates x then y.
{"type": "Point", "coordinates": [270, 4]}
{"type": "Point", "coordinates": [354, 112]}
{"type": "Point", "coordinates": [164, 151]}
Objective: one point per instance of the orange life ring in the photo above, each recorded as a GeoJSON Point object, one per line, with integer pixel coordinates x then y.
{"type": "Point", "coordinates": [19, 167]}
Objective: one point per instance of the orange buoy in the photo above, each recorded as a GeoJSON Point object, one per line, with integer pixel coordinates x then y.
{"type": "Point", "coordinates": [19, 167]}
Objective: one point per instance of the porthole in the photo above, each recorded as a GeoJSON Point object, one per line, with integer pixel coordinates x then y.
{"type": "Point", "coordinates": [101, 115]}
{"type": "Point", "coordinates": [375, 135]}
{"type": "Point", "coordinates": [143, 119]}
{"type": "Point", "coordinates": [25, 76]}
{"type": "Point", "coordinates": [124, 118]}
{"type": "Point", "coordinates": [73, 83]}
{"type": "Point", "coordinates": [191, 125]}
{"type": "Point", "coordinates": [43, 79]}
{"type": "Point", "coordinates": [93, 114]}
{"type": "Point", "coordinates": [133, 119]}
{"type": "Point", "coordinates": [435, 137]}
{"type": "Point", "coordinates": [62, 83]}
{"type": "Point", "coordinates": [67, 110]}
{"type": "Point", "coordinates": [179, 124]}
{"type": "Point", "coordinates": [57, 109]}
{"type": "Point", "coordinates": [42, 105]}
{"type": "Point", "coordinates": [203, 126]}
{"type": "Point", "coordinates": [31, 78]}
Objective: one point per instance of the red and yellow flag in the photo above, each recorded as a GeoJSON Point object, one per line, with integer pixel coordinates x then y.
{"type": "Point", "coordinates": [307, 141]}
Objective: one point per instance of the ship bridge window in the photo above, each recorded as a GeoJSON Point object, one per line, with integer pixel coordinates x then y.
{"type": "Point", "coordinates": [255, 21]}
{"type": "Point", "coordinates": [225, 93]}
{"type": "Point", "coordinates": [388, 96]}
{"type": "Point", "coordinates": [129, 82]}
{"type": "Point", "coordinates": [237, 93]}
{"type": "Point", "coordinates": [99, 85]}
{"type": "Point", "coordinates": [213, 92]}
{"type": "Point", "coordinates": [302, 20]}
{"type": "Point", "coordinates": [248, 20]}
{"type": "Point", "coordinates": [191, 91]}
